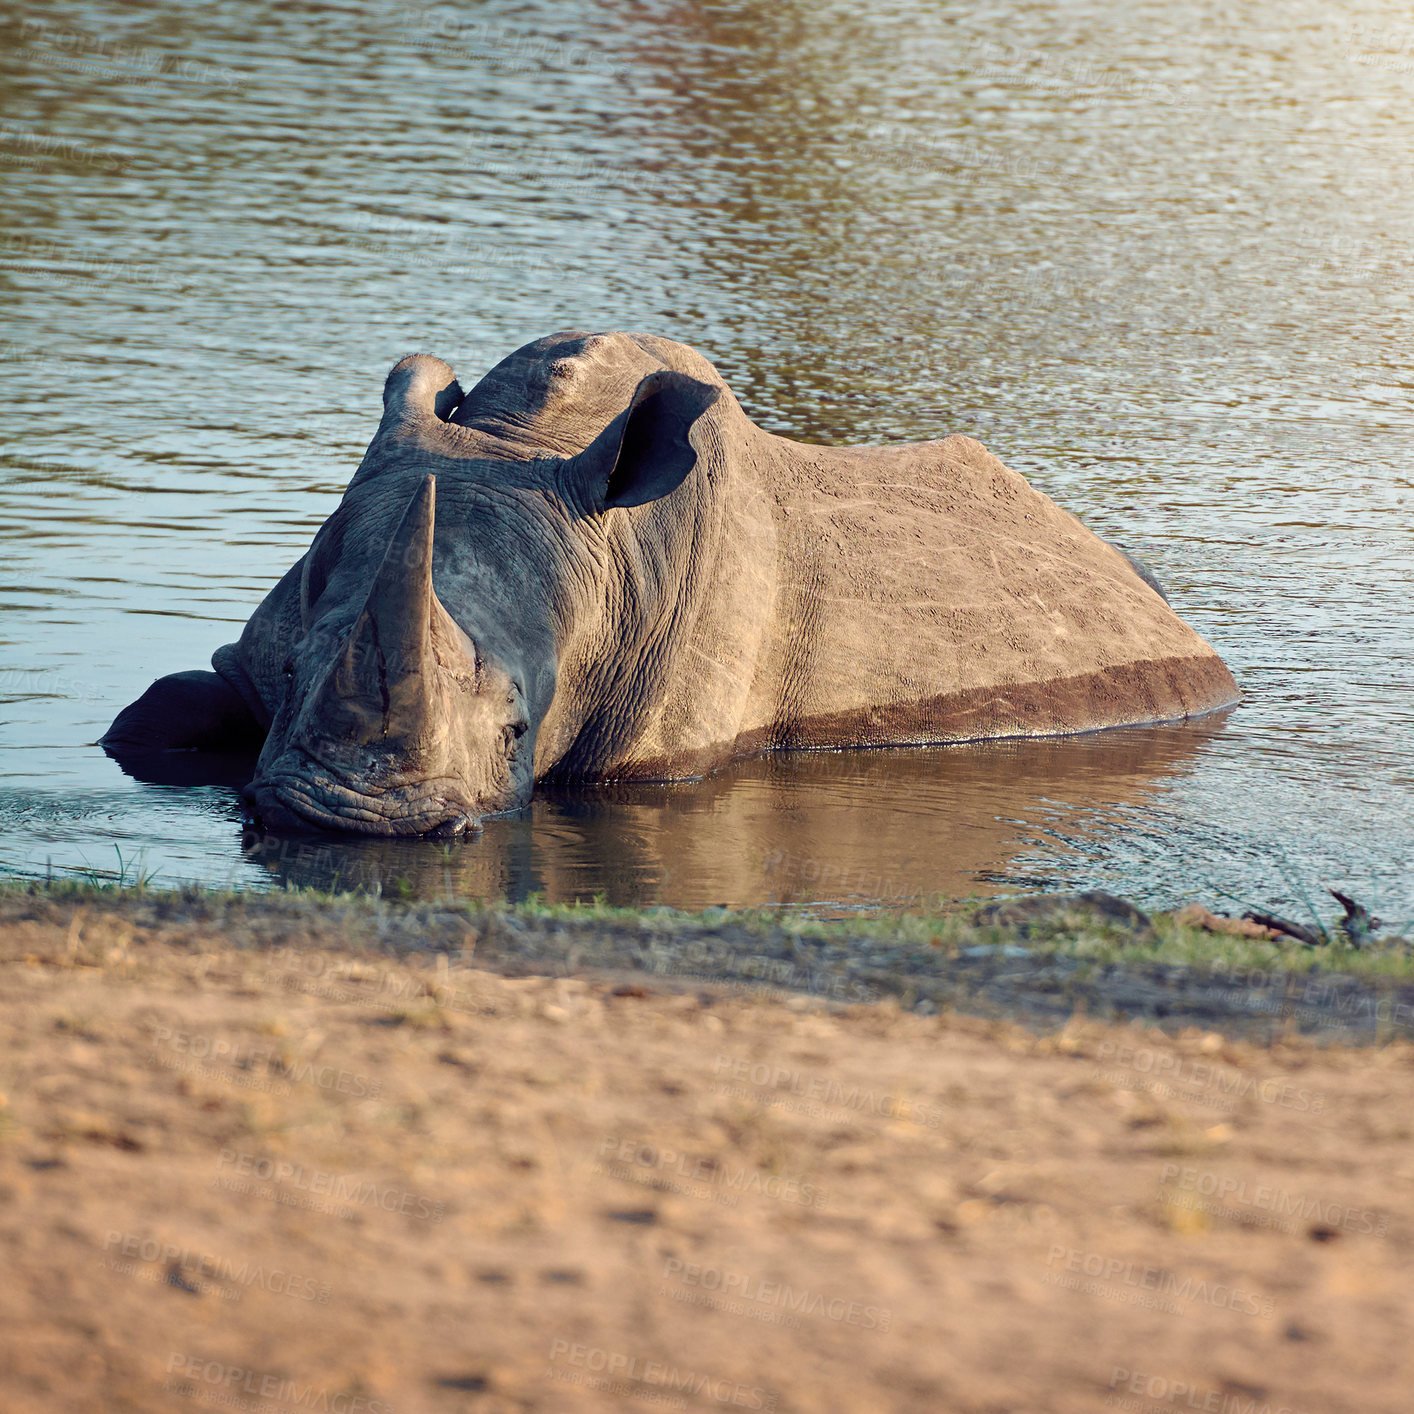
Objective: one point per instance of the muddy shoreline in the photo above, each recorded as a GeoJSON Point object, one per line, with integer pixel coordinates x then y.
{"type": "Point", "coordinates": [988, 972]}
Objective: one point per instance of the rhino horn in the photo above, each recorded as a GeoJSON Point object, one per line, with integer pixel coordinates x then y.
{"type": "Point", "coordinates": [389, 664]}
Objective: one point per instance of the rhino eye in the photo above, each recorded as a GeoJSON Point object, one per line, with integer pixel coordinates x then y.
{"type": "Point", "coordinates": [289, 668]}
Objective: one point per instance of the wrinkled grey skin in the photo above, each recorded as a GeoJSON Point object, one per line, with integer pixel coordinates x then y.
{"type": "Point", "coordinates": [574, 572]}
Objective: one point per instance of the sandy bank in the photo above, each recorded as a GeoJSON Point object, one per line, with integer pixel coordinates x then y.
{"type": "Point", "coordinates": [279, 1173]}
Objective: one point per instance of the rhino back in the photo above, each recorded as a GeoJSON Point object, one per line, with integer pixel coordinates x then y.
{"type": "Point", "coordinates": [929, 593]}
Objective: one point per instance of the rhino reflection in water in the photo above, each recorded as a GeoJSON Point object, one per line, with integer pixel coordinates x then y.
{"type": "Point", "coordinates": [594, 566]}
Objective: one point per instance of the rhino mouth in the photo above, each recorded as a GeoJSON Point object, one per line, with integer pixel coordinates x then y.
{"type": "Point", "coordinates": [294, 803]}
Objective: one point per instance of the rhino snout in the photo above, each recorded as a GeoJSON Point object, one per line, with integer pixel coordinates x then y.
{"type": "Point", "coordinates": [288, 803]}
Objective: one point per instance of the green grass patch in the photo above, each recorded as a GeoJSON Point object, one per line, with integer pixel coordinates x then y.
{"type": "Point", "coordinates": [943, 930]}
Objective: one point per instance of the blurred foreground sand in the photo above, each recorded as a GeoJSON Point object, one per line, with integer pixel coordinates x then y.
{"type": "Point", "coordinates": [304, 1180]}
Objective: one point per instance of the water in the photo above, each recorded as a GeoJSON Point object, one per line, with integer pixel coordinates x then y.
{"type": "Point", "coordinates": [1157, 258]}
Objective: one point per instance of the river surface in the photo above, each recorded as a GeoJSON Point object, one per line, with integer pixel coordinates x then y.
{"type": "Point", "coordinates": [1156, 256]}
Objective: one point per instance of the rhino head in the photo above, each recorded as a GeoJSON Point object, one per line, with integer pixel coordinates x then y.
{"type": "Point", "coordinates": [400, 715]}
{"type": "Point", "coordinates": [397, 725]}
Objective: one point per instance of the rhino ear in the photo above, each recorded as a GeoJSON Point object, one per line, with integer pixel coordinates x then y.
{"type": "Point", "coordinates": [644, 453]}
{"type": "Point", "coordinates": [418, 388]}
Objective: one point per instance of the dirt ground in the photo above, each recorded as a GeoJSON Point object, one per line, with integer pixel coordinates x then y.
{"type": "Point", "coordinates": [299, 1178]}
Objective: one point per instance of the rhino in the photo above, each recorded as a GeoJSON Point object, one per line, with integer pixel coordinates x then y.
{"type": "Point", "coordinates": [594, 566]}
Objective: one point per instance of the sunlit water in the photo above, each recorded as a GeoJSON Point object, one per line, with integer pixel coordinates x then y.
{"type": "Point", "coordinates": [1157, 258]}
